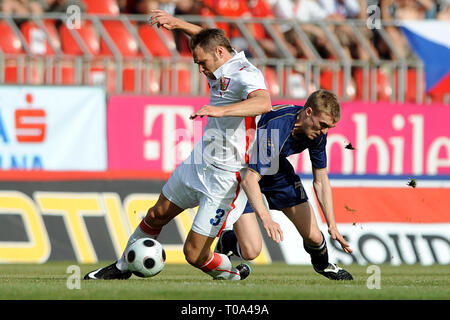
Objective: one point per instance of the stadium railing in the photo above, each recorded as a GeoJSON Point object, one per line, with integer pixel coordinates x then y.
{"type": "Point", "coordinates": [126, 55]}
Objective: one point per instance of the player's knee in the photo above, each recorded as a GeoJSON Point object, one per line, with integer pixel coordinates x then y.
{"type": "Point", "coordinates": [250, 252]}
{"type": "Point", "coordinates": [314, 238]}
{"type": "Point", "coordinates": [250, 255]}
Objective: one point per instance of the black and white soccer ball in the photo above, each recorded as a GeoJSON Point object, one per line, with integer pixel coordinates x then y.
{"type": "Point", "coordinates": [145, 257]}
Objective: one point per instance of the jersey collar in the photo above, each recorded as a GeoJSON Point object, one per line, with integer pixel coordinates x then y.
{"type": "Point", "coordinates": [223, 69]}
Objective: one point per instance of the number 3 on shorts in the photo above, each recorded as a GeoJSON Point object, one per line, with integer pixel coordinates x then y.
{"type": "Point", "coordinates": [216, 220]}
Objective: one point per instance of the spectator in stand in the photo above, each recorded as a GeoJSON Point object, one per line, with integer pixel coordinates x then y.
{"type": "Point", "coordinates": [350, 9]}
{"type": "Point", "coordinates": [340, 10]}
{"type": "Point", "coordinates": [145, 6]}
{"type": "Point", "coordinates": [60, 5]}
{"type": "Point", "coordinates": [262, 9]}
{"type": "Point", "coordinates": [412, 9]}
{"type": "Point", "coordinates": [246, 9]}
{"type": "Point", "coordinates": [190, 7]}
{"type": "Point", "coordinates": [444, 10]}
{"type": "Point", "coordinates": [21, 7]}
{"type": "Point", "coordinates": [305, 11]}
{"type": "Point", "coordinates": [405, 10]}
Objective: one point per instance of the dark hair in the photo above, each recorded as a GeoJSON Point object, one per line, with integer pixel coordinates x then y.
{"type": "Point", "coordinates": [324, 101]}
{"type": "Point", "coordinates": [209, 40]}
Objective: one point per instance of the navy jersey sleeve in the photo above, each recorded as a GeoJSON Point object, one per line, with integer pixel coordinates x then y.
{"type": "Point", "coordinates": [318, 153]}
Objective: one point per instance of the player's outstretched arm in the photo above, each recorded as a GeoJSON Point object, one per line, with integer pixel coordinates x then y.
{"type": "Point", "coordinates": [251, 187]}
{"type": "Point", "coordinates": [257, 103]}
{"type": "Point", "coordinates": [322, 188]}
{"type": "Point", "coordinates": [162, 18]}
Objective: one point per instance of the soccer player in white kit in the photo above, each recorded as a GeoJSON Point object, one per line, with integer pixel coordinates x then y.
{"type": "Point", "coordinates": [210, 177]}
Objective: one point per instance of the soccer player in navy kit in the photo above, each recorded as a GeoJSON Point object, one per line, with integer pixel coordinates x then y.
{"type": "Point", "coordinates": [287, 130]}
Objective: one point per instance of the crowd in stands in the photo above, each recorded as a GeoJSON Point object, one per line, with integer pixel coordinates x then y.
{"type": "Point", "coordinates": [36, 7]}
{"type": "Point", "coordinates": [301, 10]}
{"type": "Point", "coordinates": [308, 12]}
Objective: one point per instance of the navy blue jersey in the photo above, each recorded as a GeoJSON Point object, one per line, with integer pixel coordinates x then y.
{"type": "Point", "coordinates": [275, 142]}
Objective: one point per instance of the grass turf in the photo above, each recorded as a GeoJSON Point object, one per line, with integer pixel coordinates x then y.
{"type": "Point", "coordinates": [277, 281]}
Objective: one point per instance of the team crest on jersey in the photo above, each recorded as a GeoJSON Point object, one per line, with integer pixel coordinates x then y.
{"type": "Point", "coordinates": [224, 83]}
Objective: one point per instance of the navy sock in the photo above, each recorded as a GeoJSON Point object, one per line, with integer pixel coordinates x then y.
{"type": "Point", "coordinates": [230, 243]}
{"type": "Point", "coordinates": [319, 254]}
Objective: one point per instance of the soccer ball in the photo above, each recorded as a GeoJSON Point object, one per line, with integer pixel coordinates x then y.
{"type": "Point", "coordinates": [145, 257]}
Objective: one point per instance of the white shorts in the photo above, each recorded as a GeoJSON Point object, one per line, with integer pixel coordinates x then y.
{"type": "Point", "coordinates": [216, 192]}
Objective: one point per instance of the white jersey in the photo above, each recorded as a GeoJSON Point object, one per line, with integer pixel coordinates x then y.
{"type": "Point", "coordinates": [226, 140]}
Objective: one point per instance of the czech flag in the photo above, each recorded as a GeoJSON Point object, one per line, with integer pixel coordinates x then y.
{"type": "Point", "coordinates": [430, 40]}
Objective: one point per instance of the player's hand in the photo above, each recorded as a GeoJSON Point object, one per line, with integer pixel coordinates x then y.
{"type": "Point", "coordinates": [273, 229]}
{"type": "Point", "coordinates": [335, 235]}
{"type": "Point", "coordinates": [162, 18]}
{"type": "Point", "coordinates": [210, 111]}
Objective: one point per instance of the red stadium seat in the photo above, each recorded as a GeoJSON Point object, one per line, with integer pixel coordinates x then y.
{"type": "Point", "coordinates": [109, 7]}
{"type": "Point", "coordinates": [411, 86]}
{"type": "Point", "coordinates": [184, 79]}
{"type": "Point", "coordinates": [410, 90]}
{"type": "Point", "coordinates": [326, 82]}
{"type": "Point", "coordinates": [67, 75]}
{"type": "Point", "coordinates": [129, 81]}
{"type": "Point", "coordinates": [103, 76]}
{"type": "Point", "coordinates": [12, 76]}
{"type": "Point", "coordinates": [123, 40]}
{"type": "Point", "coordinates": [9, 41]}
{"type": "Point", "coordinates": [153, 42]}
{"type": "Point", "coordinates": [11, 44]}
{"type": "Point", "coordinates": [87, 33]}
{"type": "Point", "coordinates": [272, 81]}
{"type": "Point", "coordinates": [37, 39]}
{"type": "Point", "coordinates": [384, 88]}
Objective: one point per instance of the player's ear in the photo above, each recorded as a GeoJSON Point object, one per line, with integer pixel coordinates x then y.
{"type": "Point", "coordinates": [220, 51]}
{"type": "Point", "coordinates": [309, 111]}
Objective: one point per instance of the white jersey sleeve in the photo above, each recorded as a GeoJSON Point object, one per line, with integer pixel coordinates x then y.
{"type": "Point", "coordinates": [251, 80]}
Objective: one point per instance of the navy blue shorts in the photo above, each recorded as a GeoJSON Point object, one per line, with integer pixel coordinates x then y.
{"type": "Point", "coordinates": [282, 190]}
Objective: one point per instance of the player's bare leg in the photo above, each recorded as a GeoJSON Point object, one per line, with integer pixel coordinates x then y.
{"type": "Point", "coordinates": [150, 227]}
{"type": "Point", "coordinates": [249, 236]}
{"type": "Point", "coordinates": [244, 241]}
{"type": "Point", "coordinates": [197, 251]}
{"type": "Point", "coordinates": [302, 216]}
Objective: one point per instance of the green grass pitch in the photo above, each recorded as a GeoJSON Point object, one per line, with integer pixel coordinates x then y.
{"type": "Point", "coordinates": [277, 281]}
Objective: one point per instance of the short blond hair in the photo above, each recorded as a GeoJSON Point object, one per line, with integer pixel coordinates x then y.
{"type": "Point", "coordinates": [324, 101]}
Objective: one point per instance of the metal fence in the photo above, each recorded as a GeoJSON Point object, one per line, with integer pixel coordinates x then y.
{"type": "Point", "coordinates": [126, 55]}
